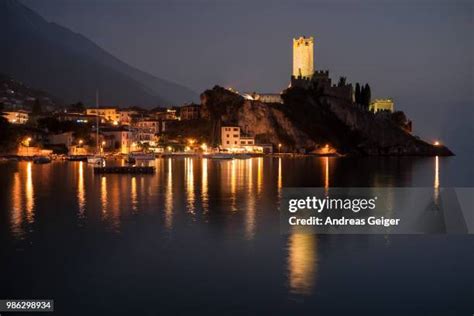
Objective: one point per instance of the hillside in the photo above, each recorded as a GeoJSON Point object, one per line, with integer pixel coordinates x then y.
{"type": "Point", "coordinates": [15, 94]}
{"type": "Point", "coordinates": [307, 121]}
{"type": "Point", "coordinates": [66, 64]}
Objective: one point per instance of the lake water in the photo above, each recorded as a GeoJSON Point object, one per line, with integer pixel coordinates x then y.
{"type": "Point", "coordinates": [203, 237]}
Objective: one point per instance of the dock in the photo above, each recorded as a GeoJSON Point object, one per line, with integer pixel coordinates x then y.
{"type": "Point", "coordinates": [125, 169]}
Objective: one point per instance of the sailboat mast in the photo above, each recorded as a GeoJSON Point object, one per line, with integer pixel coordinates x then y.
{"type": "Point", "coordinates": [97, 121]}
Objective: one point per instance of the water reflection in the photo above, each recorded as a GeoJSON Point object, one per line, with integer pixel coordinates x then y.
{"type": "Point", "coordinates": [302, 263]}
{"type": "Point", "coordinates": [134, 194]}
{"type": "Point", "coordinates": [326, 175]}
{"type": "Point", "coordinates": [259, 174]}
{"type": "Point", "coordinates": [436, 183]}
{"type": "Point", "coordinates": [279, 179]}
{"type": "Point", "coordinates": [188, 164]}
{"type": "Point", "coordinates": [81, 194]}
{"type": "Point", "coordinates": [250, 215]}
{"type": "Point", "coordinates": [16, 217]}
{"type": "Point", "coordinates": [30, 203]}
{"type": "Point", "coordinates": [233, 185]}
{"type": "Point", "coordinates": [204, 185]}
{"type": "Point", "coordinates": [103, 194]}
{"type": "Point", "coordinates": [169, 196]}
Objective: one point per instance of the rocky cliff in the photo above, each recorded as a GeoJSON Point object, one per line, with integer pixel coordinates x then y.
{"type": "Point", "coordinates": [307, 121]}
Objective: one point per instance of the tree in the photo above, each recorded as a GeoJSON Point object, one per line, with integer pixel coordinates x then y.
{"type": "Point", "coordinates": [342, 82]}
{"type": "Point", "coordinates": [36, 110]}
{"type": "Point", "coordinates": [368, 95]}
{"type": "Point", "coordinates": [357, 93]}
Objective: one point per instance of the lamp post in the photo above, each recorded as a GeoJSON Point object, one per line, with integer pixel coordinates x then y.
{"type": "Point", "coordinates": [279, 148]}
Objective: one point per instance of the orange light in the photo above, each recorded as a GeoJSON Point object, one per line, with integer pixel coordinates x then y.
{"type": "Point", "coordinates": [436, 143]}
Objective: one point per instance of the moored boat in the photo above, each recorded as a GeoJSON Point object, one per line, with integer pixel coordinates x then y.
{"type": "Point", "coordinates": [41, 159]}
{"type": "Point", "coordinates": [142, 156]}
{"type": "Point", "coordinates": [220, 156]}
{"type": "Point", "coordinates": [96, 160]}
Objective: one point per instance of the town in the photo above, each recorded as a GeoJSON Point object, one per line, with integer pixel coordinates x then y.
{"type": "Point", "coordinates": [77, 130]}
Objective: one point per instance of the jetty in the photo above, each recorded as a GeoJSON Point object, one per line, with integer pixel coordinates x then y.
{"type": "Point", "coordinates": [125, 169]}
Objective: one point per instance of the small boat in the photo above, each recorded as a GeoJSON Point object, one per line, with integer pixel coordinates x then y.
{"type": "Point", "coordinates": [220, 156]}
{"type": "Point", "coordinates": [142, 156]}
{"type": "Point", "coordinates": [96, 160]}
{"type": "Point", "coordinates": [242, 156]}
{"type": "Point", "coordinates": [41, 159]}
{"type": "Point", "coordinates": [76, 158]}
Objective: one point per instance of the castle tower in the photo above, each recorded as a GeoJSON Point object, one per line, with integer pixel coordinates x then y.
{"type": "Point", "coordinates": [303, 64]}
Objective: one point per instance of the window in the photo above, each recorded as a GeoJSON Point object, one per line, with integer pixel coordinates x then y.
{"type": "Point", "coordinates": [235, 142]}
{"type": "Point", "coordinates": [228, 136]}
{"type": "Point", "coordinates": [236, 135]}
{"type": "Point", "coordinates": [228, 142]}
{"type": "Point", "coordinates": [236, 129]}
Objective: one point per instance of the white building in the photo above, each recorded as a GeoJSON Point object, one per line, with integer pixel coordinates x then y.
{"type": "Point", "coordinates": [230, 137]}
{"type": "Point", "coordinates": [232, 140]}
{"type": "Point", "coordinates": [123, 140]}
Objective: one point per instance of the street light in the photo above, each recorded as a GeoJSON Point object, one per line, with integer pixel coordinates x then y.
{"type": "Point", "coordinates": [279, 148]}
{"type": "Point", "coordinates": [436, 143]}
{"type": "Point", "coordinates": [204, 147]}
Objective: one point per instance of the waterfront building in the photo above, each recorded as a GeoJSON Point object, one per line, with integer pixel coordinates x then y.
{"type": "Point", "coordinates": [230, 137]}
{"type": "Point", "coordinates": [16, 117]}
{"type": "Point", "coordinates": [121, 139]}
{"type": "Point", "coordinates": [66, 139]}
{"type": "Point", "coordinates": [382, 105]}
{"type": "Point", "coordinates": [146, 131]}
{"type": "Point", "coordinates": [232, 140]}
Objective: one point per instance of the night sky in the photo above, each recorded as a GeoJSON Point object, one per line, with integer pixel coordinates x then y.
{"type": "Point", "coordinates": [418, 52]}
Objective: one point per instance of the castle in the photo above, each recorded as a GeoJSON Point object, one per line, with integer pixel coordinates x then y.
{"type": "Point", "coordinates": [305, 75]}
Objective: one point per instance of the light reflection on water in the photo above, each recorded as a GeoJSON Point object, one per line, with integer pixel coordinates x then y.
{"type": "Point", "coordinates": [302, 263]}
{"type": "Point", "coordinates": [236, 192]}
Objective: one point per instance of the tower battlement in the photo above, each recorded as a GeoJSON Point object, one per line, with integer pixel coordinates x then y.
{"type": "Point", "coordinates": [303, 57]}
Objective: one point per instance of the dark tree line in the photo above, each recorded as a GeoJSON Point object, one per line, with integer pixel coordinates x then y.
{"type": "Point", "coordinates": [363, 95]}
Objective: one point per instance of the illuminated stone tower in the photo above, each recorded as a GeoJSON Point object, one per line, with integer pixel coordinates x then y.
{"type": "Point", "coordinates": [303, 57]}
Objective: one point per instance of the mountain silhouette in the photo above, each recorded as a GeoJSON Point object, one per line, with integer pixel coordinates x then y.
{"type": "Point", "coordinates": [52, 58]}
